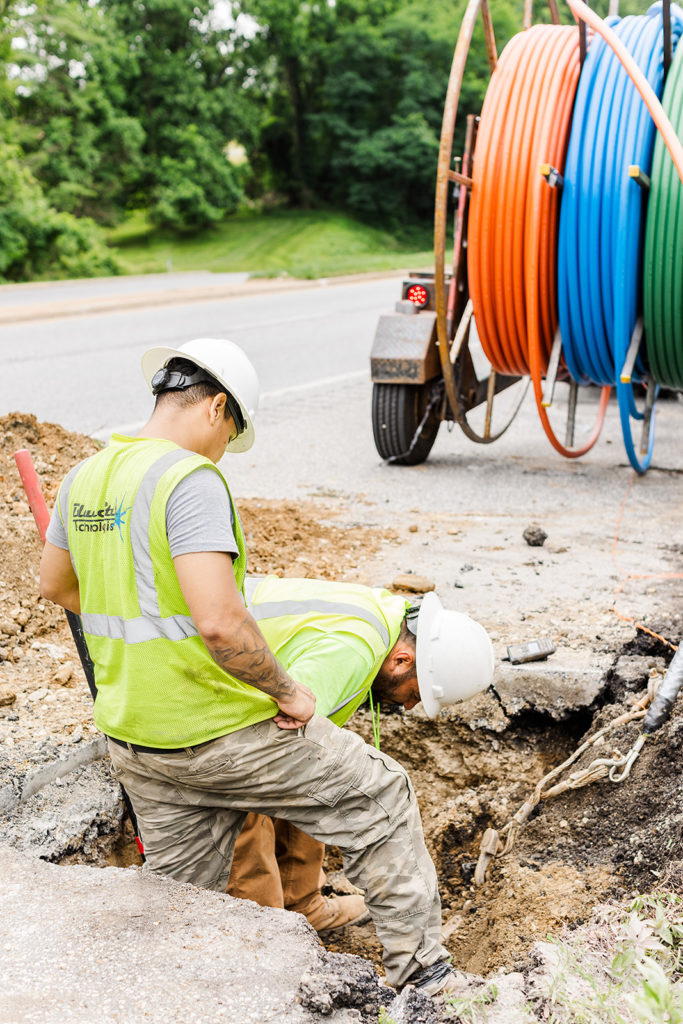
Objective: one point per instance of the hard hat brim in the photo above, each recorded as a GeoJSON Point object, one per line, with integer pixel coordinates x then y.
{"type": "Point", "coordinates": [427, 619]}
{"type": "Point", "coordinates": [156, 358]}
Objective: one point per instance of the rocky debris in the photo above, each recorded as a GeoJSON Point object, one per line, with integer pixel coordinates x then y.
{"type": "Point", "coordinates": [76, 814]}
{"type": "Point", "coordinates": [633, 671]}
{"type": "Point", "coordinates": [535, 536]}
{"type": "Point", "coordinates": [414, 1007]}
{"type": "Point", "coordinates": [341, 982]}
{"type": "Point", "coordinates": [412, 583]}
{"type": "Point", "coordinates": [113, 942]}
{"type": "Point", "coordinates": [481, 712]}
{"type": "Point", "coordinates": [572, 680]}
{"type": "Point", "coordinates": [7, 696]}
{"type": "Point", "coordinates": [501, 999]}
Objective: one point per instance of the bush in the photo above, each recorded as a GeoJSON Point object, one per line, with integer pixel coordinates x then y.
{"type": "Point", "coordinates": [37, 241]}
{"type": "Point", "coordinates": [197, 187]}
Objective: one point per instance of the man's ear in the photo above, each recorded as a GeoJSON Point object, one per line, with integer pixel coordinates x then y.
{"type": "Point", "coordinates": [402, 656]}
{"type": "Point", "coordinates": [217, 408]}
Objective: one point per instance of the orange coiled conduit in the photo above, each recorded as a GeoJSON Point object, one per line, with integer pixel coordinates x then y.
{"type": "Point", "coordinates": [512, 233]}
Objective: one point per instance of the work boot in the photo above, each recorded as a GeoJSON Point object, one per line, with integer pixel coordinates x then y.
{"type": "Point", "coordinates": [330, 912]}
{"type": "Point", "coordinates": [438, 980]}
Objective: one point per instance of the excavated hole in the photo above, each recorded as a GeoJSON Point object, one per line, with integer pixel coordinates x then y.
{"type": "Point", "coordinates": [576, 851]}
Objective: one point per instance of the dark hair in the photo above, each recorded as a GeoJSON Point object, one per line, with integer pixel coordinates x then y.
{"type": "Point", "coordinates": [406, 635]}
{"type": "Point", "coordinates": [195, 393]}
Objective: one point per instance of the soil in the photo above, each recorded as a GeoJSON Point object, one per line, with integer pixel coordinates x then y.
{"type": "Point", "coordinates": [577, 850]}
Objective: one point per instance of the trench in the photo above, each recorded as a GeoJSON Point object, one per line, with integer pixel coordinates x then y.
{"type": "Point", "coordinates": [574, 853]}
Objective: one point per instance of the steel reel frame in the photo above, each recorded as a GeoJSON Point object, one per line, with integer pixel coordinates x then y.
{"type": "Point", "coordinates": [453, 306]}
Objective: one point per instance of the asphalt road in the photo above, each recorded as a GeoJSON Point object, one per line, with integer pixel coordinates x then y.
{"type": "Point", "coordinates": [83, 372]}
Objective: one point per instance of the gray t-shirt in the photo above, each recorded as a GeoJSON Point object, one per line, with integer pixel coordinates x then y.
{"type": "Point", "coordinates": [198, 517]}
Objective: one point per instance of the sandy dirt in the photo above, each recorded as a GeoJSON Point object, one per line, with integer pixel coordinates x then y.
{"type": "Point", "coordinates": [590, 844]}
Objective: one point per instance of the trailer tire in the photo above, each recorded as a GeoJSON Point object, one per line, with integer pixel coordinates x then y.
{"type": "Point", "coordinates": [397, 410]}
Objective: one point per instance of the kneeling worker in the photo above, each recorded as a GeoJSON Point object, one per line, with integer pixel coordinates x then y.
{"type": "Point", "coordinates": [347, 642]}
{"type": "Point", "coordinates": [204, 724]}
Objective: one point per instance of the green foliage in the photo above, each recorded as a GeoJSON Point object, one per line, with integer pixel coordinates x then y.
{"type": "Point", "coordinates": [629, 971]}
{"type": "Point", "coordinates": [469, 1009]}
{"type": "Point", "coordinates": [351, 96]}
{"type": "Point", "coordinates": [37, 241]}
{"type": "Point", "coordinates": [118, 106]}
{"type": "Point", "coordinates": [134, 105]}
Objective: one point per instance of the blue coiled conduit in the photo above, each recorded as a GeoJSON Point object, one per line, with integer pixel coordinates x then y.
{"type": "Point", "coordinates": [600, 247]}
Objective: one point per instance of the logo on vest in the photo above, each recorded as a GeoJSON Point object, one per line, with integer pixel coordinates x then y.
{"type": "Point", "coordinates": [99, 520]}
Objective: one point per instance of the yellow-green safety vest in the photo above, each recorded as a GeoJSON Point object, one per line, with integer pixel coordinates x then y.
{"type": "Point", "coordinates": [157, 683]}
{"type": "Point", "coordinates": [285, 607]}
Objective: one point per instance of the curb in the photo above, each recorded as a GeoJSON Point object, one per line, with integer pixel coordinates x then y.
{"type": "Point", "coordinates": [179, 296]}
{"type": "Point", "coordinates": [34, 780]}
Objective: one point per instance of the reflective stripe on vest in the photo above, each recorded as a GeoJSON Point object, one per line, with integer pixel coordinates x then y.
{"type": "Point", "coordinates": [151, 626]}
{"type": "Point", "coordinates": [275, 609]}
{"type": "Point", "coordinates": [137, 631]}
{"type": "Point", "coordinates": [344, 703]}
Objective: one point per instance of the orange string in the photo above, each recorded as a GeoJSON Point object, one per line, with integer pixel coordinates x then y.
{"type": "Point", "coordinates": [627, 577]}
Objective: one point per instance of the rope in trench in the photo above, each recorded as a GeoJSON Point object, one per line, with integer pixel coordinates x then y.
{"type": "Point", "coordinates": [616, 768]}
{"type": "Point", "coordinates": [600, 248]}
{"type": "Point", "coordinates": [663, 264]}
{"type": "Point", "coordinates": [512, 234]}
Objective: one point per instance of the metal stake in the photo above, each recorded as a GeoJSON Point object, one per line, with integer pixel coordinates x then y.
{"type": "Point", "coordinates": [571, 414]}
{"type": "Point", "coordinates": [629, 362]}
{"type": "Point", "coordinates": [461, 332]}
{"type": "Point", "coordinates": [490, 392]}
{"type": "Point", "coordinates": [666, 25]}
{"type": "Point", "coordinates": [647, 415]}
{"type": "Point", "coordinates": [551, 373]}
{"type": "Point", "coordinates": [639, 176]}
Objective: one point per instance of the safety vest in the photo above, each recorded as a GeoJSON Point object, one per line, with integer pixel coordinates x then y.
{"type": "Point", "coordinates": [157, 683]}
{"type": "Point", "coordinates": [285, 607]}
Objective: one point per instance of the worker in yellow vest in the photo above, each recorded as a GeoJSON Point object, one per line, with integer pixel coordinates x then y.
{"type": "Point", "coordinates": [348, 643]}
{"type": "Point", "coordinates": [204, 723]}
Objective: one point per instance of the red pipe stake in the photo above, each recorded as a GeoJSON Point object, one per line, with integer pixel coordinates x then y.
{"type": "Point", "coordinates": [29, 479]}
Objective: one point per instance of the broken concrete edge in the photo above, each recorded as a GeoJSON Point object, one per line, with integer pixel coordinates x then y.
{"type": "Point", "coordinates": [181, 296]}
{"type": "Point", "coordinates": [114, 940]}
{"type": "Point", "coordinates": [23, 785]}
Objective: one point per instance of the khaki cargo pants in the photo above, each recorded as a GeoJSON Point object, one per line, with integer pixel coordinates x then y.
{"type": "Point", "coordinates": [325, 780]}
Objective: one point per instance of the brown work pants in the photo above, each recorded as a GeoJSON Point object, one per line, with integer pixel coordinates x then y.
{"type": "Point", "coordinates": [275, 864]}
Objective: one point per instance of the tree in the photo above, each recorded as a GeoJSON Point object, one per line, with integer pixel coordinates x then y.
{"type": "Point", "coordinates": [36, 240]}
{"type": "Point", "coordinates": [134, 106]}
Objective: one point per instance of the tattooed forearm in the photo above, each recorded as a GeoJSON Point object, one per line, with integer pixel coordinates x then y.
{"type": "Point", "coordinates": [249, 658]}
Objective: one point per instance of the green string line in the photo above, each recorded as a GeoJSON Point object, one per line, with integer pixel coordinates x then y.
{"type": "Point", "coordinates": [375, 720]}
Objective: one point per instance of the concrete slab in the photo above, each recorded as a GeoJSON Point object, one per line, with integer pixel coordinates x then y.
{"type": "Point", "coordinates": [567, 682]}
{"type": "Point", "coordinates": [81, 944]}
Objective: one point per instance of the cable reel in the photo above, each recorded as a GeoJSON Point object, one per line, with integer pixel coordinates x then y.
{"type": "Point", "coordinates": [543, 287]}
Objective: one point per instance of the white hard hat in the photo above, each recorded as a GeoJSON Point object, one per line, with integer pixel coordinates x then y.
{"type": "Point", "coordinates": [454, 656]}
{"type": "Point", "coordinates": [225, 361]}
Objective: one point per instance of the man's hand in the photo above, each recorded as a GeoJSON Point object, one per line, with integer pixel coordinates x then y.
{"type": "Point", "coordinates": [296, 711]}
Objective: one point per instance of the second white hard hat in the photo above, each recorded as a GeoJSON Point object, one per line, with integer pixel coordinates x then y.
{"type": "Point", "coordinates": [454, 656]}
{"type": "Point", "coordinates": [225, 361]}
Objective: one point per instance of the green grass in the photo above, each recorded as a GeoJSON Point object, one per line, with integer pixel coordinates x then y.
{"type": "Point", "coordinates": [298, 243]}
